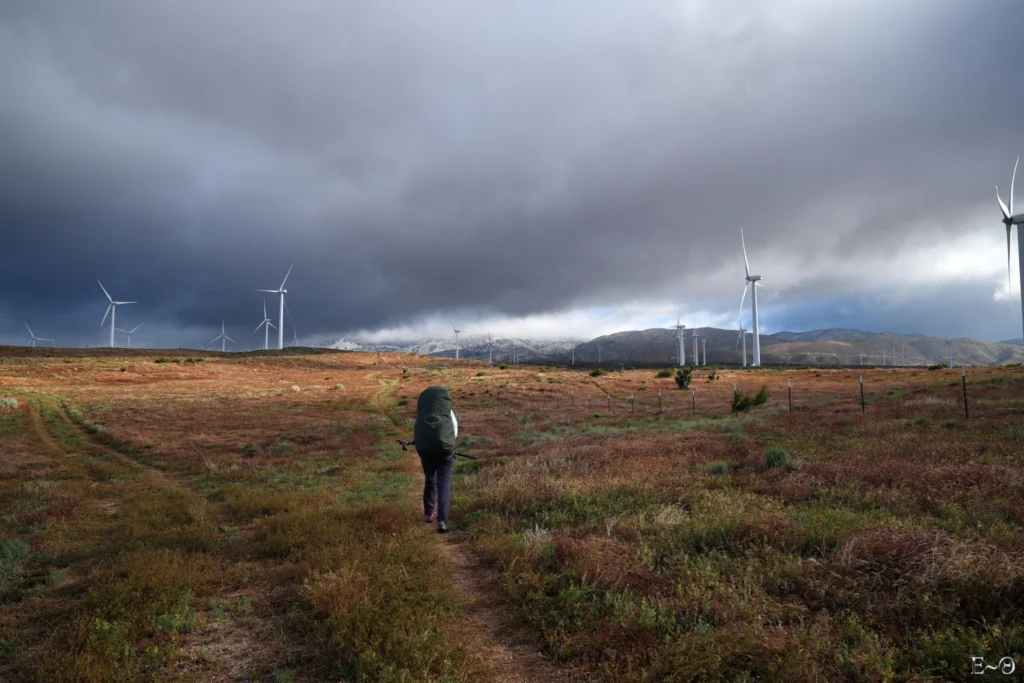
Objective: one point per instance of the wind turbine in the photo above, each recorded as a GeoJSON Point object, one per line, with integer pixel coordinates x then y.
{"type": "Point", "coordinates": [456, 341]}
{"type": "Point", "coordinates": [704, 345]}
{"type": "Point", "coordinates": [681, 339]}
{"type": "Point", "coordinates": [224, 338]}
{"type": "Point", "coordinates": [949, 347]}
{"type": "Point", "coordinates": [1010, 220]}
{"type": "Point", "coordinates": [112, 310]}
{"type": "Point", "coordinates": [752, 280]}
{"type": "Point", "coordinates": [35, 338]}
{"type": "Point", "coordinates": [696, 356]}
{"type": "Point", "coordinates": [282, 291]}
{"type": "Point", "coordinates": [266, 325]}
{"type": "Point", "coordinates": [130, 333]}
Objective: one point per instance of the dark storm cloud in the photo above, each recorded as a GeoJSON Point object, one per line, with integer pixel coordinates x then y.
{"type": "Point", "coordinates": [515, 157]}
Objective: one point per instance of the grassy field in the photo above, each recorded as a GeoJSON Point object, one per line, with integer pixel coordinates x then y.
{"type": "Point", "coordinates": [252, 518]}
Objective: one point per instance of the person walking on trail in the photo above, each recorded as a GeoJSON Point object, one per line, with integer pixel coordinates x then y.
{"type": "Point", "coordinates": [435, 433]}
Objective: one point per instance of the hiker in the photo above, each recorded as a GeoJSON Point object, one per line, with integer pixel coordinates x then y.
{"type": "Point", "coordinates": [434, 436]}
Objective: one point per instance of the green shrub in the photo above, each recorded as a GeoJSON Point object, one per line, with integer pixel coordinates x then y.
{"type": "Point", "coordinates": [937, 366]}
{"type": "Point", "coordinates": [8, 403]}
{"type": "Point", "coordinates": [742, 401]}
{"type": "Point", "coordinates": [778, 457]}
{"type": "Point", "coordinates": [713, 374]}
{"type": "Point", "coordinates": [664, 372]}
{"type": "Point", "coordinates": [480, 374]}
{"type": "Point", "coordinates": [597, 372]}
{"type": "Point", "coordinates": [683, 376]}
{"type": "Point", "coordinates": [249, 450]}
{"type": "Point", "coordinates": [503, 366]}
{"type": "Point", "coordinates": [718, 468]}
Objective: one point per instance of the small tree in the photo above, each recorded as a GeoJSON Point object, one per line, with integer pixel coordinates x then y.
{"type": "Point", "coordinates": [713, 374]}
{"type": "Point", "coordinates": [683, 377]}
{"type": "Point", "coordinates": [741, 401]}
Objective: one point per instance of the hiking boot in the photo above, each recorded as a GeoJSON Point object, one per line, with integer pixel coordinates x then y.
{"type": "Point", "coordinates": [442, 528]}
{"type": "Point", "coordinates": [427, 519]}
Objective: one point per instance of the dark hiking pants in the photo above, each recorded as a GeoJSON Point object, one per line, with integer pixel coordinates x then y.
{"type": "Point", "coordinates": [437, 470]}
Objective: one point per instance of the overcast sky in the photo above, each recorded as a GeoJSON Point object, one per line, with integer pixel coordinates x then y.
{"type": "Point", "coordinates": [564, 168]}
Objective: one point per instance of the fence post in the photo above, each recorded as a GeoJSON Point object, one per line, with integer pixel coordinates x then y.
{"type": "Point", "coordinates": [572, 400]}
{"type": "Point", "coordinates": [659, 402]}
{"type": "Point", "coordinates": [789, 387]}
{"type": "Point", "coordinates": [963, 377]}
{"type": "Point", "coordinates": [632, 403]}
{"type": "Point", "coordinates": [694, 394]}
{"type": "Point", "coordinates": [588, 402]}
{"type": "Point", "coordinates": [609, 403]}
{"type": "Point", "coordinates": [863, 408]}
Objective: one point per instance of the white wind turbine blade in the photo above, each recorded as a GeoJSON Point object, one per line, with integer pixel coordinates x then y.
{"type": "Point", "coordinates": [121, 303]}
{"type": "Point", "coordinates": [229, 339]}
{"type": "Point", "coordinates": [265, 309]}
{"type": "Point", "coordinates": [271, 324]}
{"type": "Point", "coordinates": [1012, 180]}
{"type": "Point", "coordinates": [216, 339]}
{"type": "Point", "coordinates": [271, 291]}
{"type": "Point", "coordinates": [30, 330]}
{"type": "Point", "coordinates": [259, 326]}
{"type": "Point", "coordinates": [109, 306]}
{"type": "Point", "coordinates": [111, 300]}
{"type": "Point", "coordinates": [1002, 206]}
{"type": "Point", "coordinates": [136, 327]}
{"type": "Point", "coordinates": [743, 243]}
{"type": "Point", "coordinates": [120, 330]}
{"type": "Point", "coordinates": [286, 276]}
{"type": "Point", "coordinates": [742, 299]}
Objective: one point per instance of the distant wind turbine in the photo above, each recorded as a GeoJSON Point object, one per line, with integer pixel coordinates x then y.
{"type": "Point", "coordinates": [681, 339]}
{"type": "Point", "coordinates": [35, 338]}
{"type": "Point", "coordinates": [752, 280]}
{"type": "Point", "coordinates": [282, 291]}
{"type": "Point", "coordinates": [704, 346]}
{"type": "Point", "coordinates": [694, 336]}
{"type": "Point", "coordinates": [130, 333]}
{"type": "Point", "coordinates": [266, 325]}
{"type": "Point", "coordinates": [1009, 220]}
{"type": "Point", "coordinates": [112, 310]}
{"type": "Point", "coordinates": [224, 338]}
{"type": "Point", "coordinates": [456, 340]}
{"type": "Point", "coordinates": [490, 359]}
{"type": "Point", "coordinates": [949, 347]}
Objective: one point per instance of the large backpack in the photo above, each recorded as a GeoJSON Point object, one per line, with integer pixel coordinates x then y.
{"type": "Point", "coordinates": [434, 430]}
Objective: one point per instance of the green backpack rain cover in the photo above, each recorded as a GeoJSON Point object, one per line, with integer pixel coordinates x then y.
{"type": "Point", "coordinates": [434, 429]}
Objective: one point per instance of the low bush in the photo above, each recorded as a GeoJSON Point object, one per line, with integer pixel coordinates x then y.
{"type": "Point", "coordinates": [664, 372]}
{"type": "Point", "coordinates": [742, 401]}
{"type": "Point", "coordinates": [683, 376]}
{"type": "Point", "coordinates": [597, 372]}
{"type": "Point", "coordinates": [937, 366]}
{"type": "Point", "coordinates": [778, 457]}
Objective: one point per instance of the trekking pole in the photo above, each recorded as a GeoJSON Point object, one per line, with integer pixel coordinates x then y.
{"type": "Point", "coordinates": [405, 443]}
{"type": "Point", "coordinates": [789, 386]}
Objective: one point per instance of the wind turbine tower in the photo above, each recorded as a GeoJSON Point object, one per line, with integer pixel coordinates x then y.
{"type": "Point", "coordinates": [282, 291]}
{"type": "Point", "coordinates": [266, 325]}
{"type": "Point", "coordinates": [949, 348]}
{"type": "Point", "coordinates": [489, 358]}
{"type": "Point", "coordinates": [681, 339]}
{"type": "Point", "coordinates": [130, 333]}
{"type": "Point", "coordinates": [456, 340]}
{"type": "Point", "coordinates": [35, 338]}
{"type": "Point", "coordinates": [112, 310]}
{"type": "Point", "coordinates": [753, 281]}
{"type": "Point", "coordinates": [1009, 220]}
{"type": "Point", "coordinates": [224, 338]}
